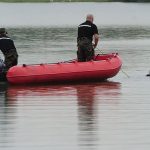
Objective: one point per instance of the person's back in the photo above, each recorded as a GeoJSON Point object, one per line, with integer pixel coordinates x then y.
{"type": "Point", "coordinates": [87, 32]}
{"type": "Point", "coordinates": [8, 49]}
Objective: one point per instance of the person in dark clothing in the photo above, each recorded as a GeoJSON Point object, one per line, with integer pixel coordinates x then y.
{"type": "Point", "coordinates": [8, 49]}
{"type": "Point", "coordinates": [87, 33]}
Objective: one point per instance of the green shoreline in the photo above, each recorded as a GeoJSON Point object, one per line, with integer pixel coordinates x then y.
{"type": "Point", "coordinates": [33, 1]}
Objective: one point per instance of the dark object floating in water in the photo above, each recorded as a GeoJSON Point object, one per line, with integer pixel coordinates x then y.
{"type": "Point", "coordinates": [148, 75]}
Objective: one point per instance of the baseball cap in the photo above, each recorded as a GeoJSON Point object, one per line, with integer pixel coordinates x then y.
{"type": "Point", "coordinates": [2, 30]}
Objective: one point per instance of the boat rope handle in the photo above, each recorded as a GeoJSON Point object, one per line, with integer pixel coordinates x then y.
{"type": "Point", "coordinates": [125, 73]}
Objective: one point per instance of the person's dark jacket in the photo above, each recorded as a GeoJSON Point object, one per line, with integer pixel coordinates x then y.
{"type": "Point", "coordinates": [9, 51]}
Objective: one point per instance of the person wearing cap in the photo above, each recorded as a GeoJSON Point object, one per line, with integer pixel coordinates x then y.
{"type": "Point", "coordinates": [87, 33]}
{"type": "Point", "coordinates": [8, 49]}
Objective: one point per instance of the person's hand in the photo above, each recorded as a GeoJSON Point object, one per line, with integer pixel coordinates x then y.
{"type": "Point", "coordinates": [94, 45]}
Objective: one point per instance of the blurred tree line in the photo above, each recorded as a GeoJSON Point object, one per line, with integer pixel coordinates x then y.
{"type": "Point", "coordinates": [140, 1]}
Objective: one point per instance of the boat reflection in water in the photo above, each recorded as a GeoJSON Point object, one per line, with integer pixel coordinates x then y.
{"type": "Point", "coordinates": [90, 99]}
{"type": "Point", "coordinates": [74, 110]}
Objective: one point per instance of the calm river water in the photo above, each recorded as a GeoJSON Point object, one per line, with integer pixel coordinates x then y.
{"type": "Point", "coordinates": [113, 115]}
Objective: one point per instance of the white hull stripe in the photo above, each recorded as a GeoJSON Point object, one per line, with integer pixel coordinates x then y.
{"type": "Point", "coordinates": [4, 38]}
{"type": "Point", "coordinates": [84, 26]}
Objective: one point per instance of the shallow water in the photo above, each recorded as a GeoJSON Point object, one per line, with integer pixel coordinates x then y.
{"type": "Point", "coordinates": [110, 115]}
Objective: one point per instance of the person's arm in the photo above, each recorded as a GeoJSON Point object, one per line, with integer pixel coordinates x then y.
{"type": "Point", "coordinates": [96, 40]}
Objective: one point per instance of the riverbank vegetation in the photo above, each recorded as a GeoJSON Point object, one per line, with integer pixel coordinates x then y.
{"type": "Point", "coordinates": [74, 1]}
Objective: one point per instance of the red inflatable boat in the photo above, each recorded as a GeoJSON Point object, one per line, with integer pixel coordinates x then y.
{"type": "Point", "coordinates": [103, 67]}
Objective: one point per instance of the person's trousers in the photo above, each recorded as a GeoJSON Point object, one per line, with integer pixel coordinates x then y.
{"type": "Point", "coordinates": [85, 50]}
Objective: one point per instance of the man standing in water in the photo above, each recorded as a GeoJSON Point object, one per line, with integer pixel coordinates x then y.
{"type": "Point", "coordinates": [87, 33]}
{"type": "Point", "coordinates": [8, 49]}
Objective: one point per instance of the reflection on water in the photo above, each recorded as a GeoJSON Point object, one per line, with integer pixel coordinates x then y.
{"type": "Point", "coordinates": [88, 99]}
{"type": "Point", "coordinates": [6, 117]}
{"type": "Point", "coordinates": [3, 89]}
{"type": "Point", "coordinates": [67, 115]}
